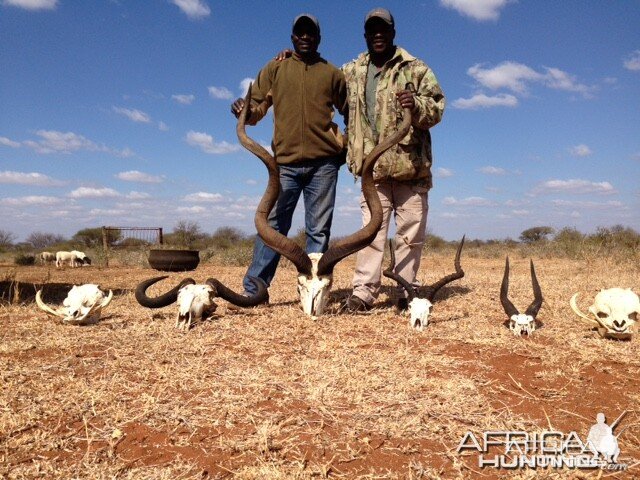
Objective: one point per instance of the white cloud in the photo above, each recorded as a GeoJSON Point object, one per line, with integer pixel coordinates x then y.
{"type": "Point", "coordinates": [136, 176]}
{"type": "Point", "coordinates": [574, 186]}
{"type": "Point", "coordinates": [206, 144]}
{"type": "Point", "coordinates": [468, 202]}
{"type": "Point", "coordinates": [133, 115]}
{"type": "Point", "coordinates": [203, 197]}
{"type": "Point", "coordinates": [510, 75]}
{"type": "Point", "coordinates": [104, 212]}
{"type": "Point", "coordinates": [349, 209]}
{"type": "Point", "coordinates": [489, 170]}
{"type": "Point", "coordinates": [220, 93]}
{"type": "Point", "coordinates": [124, 153]}
{"type": "Point", "coordinates": [32, 4]}
{"type": "Point", "coordinates": [251, 181]}
{"type": "Point", "coordinates": [133, 195]}
{"type": "Point", "coordinates": [520, 213]}
{"type": "Point", "coordinates": [29, 201]}
{"type": "Point", "coordinates": [481, 100]}
{"type": "Point", "coordinates": [33, 179]}
{"type": "Point", "coordinates": [194, 209]}
{"type": "Point", "coordinates": [480, 10]}
{"type": "Point", "coordinates": [587, 204]}
{"type": "Point", "coordinates": [244, 85]}
{"type": "Point", "coordinates": [516, 203]}
{"type": "Point", "coordinates": [581, 150]}
{"type": "Point", "coordinates": [163, 126]}
{"type": "Point", "coordinates": [60, 142]}
{"type": "Point", "coordinates": [443, 173]}
{"type": "Point", "coordinates": [560, 80]}
{"type": "Point", "coordinates": [246, 203]}
{"type": "Point", "coordinates": [516, 77]}
{"type": "Point", "coordinates": [454, 215]}
{"type": "Point", "coordinates": [9, 143]}
{"type": "Point", "coordinates": [184, 99]}
{"type": "Point", "coordinates": [632, 62]}
{"type": "Point", "coordinates": [234, 215]}
{"type": "Point", "coordinates": [87, 192]}
{"type": "Point", "coordinates": [194, 9]}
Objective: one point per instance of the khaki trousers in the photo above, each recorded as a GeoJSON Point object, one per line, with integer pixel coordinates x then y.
{"type": "Point", "coordinates": [409, 204]}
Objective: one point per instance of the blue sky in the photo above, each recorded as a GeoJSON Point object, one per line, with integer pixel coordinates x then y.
{"type": "Point", "coordinates": [116, 112]}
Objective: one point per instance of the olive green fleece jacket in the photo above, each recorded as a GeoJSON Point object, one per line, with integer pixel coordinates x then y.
{"type": "Point", "coordinates": [303, 95]}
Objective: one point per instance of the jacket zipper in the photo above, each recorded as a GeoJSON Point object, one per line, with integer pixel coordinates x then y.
{"type": "Point", "coordinates": [304, 112]}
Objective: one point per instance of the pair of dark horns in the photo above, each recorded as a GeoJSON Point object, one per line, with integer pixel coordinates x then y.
{"type": "Point", "coordinates": [509, 309]}
{"type": "Point", "coordinates": [221, 291]}
{"type": "Point", "coordinates": [430, 290]}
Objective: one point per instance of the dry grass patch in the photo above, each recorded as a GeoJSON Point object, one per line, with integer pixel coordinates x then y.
{"type": "Point", "coordinates": [268, 393]}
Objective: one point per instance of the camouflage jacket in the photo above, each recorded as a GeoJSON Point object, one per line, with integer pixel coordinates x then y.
{"type": "Point", "coordinates": [411, 159]}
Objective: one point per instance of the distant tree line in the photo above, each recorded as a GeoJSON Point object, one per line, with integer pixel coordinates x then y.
{"type": "Point", "coordinates": [189, 234]}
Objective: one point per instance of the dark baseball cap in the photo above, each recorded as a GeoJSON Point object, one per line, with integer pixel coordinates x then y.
{"type": "Point", "coordinates": [312, 18]}
{"type": "Point", "coordinates": [381, 13]}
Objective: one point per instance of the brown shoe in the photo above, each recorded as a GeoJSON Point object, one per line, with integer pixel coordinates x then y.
{"type": "Point", "coordinates": [356, 304]}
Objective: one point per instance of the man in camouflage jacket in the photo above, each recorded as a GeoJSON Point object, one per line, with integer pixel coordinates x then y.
{"type": "Point", "coordinates": [381, 82]}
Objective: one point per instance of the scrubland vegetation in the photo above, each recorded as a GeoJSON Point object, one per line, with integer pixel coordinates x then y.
{"type": "Point", "coordinates": [232, 247]}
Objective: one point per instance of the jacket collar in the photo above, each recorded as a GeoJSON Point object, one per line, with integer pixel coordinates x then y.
{"type": "Point", "coordinates": [315, 58]}
{"type": "Point", "coordinates": [400, 56]}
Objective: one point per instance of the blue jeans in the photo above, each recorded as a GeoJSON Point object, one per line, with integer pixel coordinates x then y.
{"type": "Point", "coordinates": [316, 180]}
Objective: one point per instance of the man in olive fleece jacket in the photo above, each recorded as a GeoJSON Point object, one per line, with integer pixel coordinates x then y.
{"type": "Point", "coordinates": [304, 90]}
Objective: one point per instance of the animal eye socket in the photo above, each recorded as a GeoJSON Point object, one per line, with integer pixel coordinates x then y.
{"type": "Point", "coordinates": [602, 315]}
{"type": "Point", "coordinates": [633, 316]}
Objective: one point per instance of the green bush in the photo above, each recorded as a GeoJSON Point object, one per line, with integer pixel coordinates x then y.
{"type": "Point", "coordinates": [25, 260]}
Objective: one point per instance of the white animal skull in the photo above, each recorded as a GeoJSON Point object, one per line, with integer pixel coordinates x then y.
{"type": "Point", "coordinates": [615, 312]}
{"type": "Point", "coordinates": [82, 306]}
{"type": "Point", "coordinates": [314, 290]}
{"type": "Point", "coordinates": [195, 302]}
{"type": "Point", "coordinates": [419, 311]}
{"type": "Point", "coordinates": [522, 323]}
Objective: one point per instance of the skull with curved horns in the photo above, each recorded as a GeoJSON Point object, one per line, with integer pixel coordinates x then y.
{"type": "Point", "coordinates": [614, 312]}
{"type": "Point", "coordinates": [82, 306]}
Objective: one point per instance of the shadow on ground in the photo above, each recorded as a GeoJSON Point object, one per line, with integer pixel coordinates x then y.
{"type": "Point", "coordinates": [13, 292]}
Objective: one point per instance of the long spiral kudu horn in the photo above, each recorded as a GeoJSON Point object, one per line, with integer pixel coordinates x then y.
{"type": "Point", "coordinates": [341, 249]}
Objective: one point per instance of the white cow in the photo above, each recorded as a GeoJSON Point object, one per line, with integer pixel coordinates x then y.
{"type": "Point", "coordinates": [67, 258]}
{"type": "Point", "coordinates": [83, 260]}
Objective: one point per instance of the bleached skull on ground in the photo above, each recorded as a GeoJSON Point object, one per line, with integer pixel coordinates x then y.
{"type": "Point", "coordinates": [614, 312]}
{"type": "Point", "coordinates": [419, 311]}
{"type": "Point", "coordinates": [314, 290]}
{"type": "Point", "coordinates": [82, 306]}
{"type": "Point", "coordinates": [522, 323]}
{"type": "Point", "coordinates": [195, 303]}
